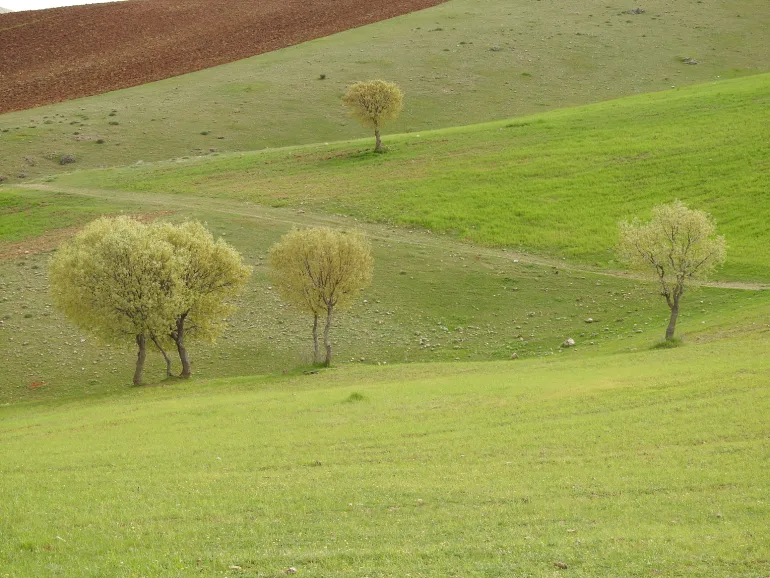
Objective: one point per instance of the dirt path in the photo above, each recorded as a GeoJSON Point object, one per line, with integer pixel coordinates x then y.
{"type": "Point", "coordinates": [416, 237]}
{"type": "Point", "coordinates": [63, 53]}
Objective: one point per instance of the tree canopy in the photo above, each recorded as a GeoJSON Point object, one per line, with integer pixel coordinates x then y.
{"type": "Point", "coordinates": [117, 282]}
{"type": "Point", "coordinates": [210, 273]}
{"type": "Point", "coordinates": [122, 280]}
{"type": "Point", "coordinates": [320, 271]}
{"type": "Point", "coordinates": [373, 103]}
{"type": "Point", "coordinates": [676, 246]}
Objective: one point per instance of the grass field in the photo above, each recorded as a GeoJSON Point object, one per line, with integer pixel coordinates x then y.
{"type": "Point", "coordinates": [428, 449]}
{"type": "Point", "coordinates": [555, 183]}
{"type": "Point", "coordinates": [460, 63]}
{"type": "Point", "coordinates": [640, 464]}
{"type": "Point", "coordinates": [432, 299]}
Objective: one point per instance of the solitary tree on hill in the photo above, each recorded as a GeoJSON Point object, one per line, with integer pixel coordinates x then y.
{"type": "Point", "coordinates": [374, 102]}
{"type": "Point", "coordinates": [676, 246]}
{"type": "Point", "coordinates": [320, 271]}
{"type": "Point", "coordinates": [117, 282]}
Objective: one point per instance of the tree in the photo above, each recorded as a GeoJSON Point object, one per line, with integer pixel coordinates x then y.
{"type": "Point", "coordinates": [374, 102]}
{"type": "Point", "coordinates": [210, 273]}
{"type": "Point", "coordinates": [320, 271]}
{"type": "Point", "coordinates": [677, 245]}
{"type": "Point", "coordinates": [118, 282]}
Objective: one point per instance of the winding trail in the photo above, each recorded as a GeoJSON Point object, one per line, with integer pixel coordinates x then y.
{"type": "Point", "coordinates": [415, 237]}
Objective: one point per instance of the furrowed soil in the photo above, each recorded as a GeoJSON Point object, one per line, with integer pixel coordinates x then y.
{"type": "Point", "coordinates": [85, 50]}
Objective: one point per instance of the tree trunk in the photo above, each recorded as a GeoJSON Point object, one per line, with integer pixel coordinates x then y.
{"type": "Point", "coordinates": [327, 341]}
{"type": "Point", "coordinates": [672, 322]}
{"type": "Point", "coordinates": [179, 339]}
{"type": "Point", "coordinates": [141, 342]}
{"type": "Point", "coordinates": [165, 356]}
{"type": "Point", "coordinates": [315, 337]}
{"type": "Point", "coordinates": [377, 140]}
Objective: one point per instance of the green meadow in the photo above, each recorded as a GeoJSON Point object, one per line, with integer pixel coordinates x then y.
{"type": "Point", "coordinates": [460, 63]}
{"type": "Point", "coordinates": [637, 464]}
{"type": "Point", "coordinates": [454, 434]}
{"type": "Point", "coordinates": [432, 300]}
{"type": "Point", "coordinates": [553, 184]}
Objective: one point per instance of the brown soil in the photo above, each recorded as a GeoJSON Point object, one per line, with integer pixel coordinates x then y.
{"type": "Point", "coordinates": [64, 53]}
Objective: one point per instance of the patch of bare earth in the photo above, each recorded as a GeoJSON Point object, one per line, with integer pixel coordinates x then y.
{"type": "Point", "coordinates": [63, 53]}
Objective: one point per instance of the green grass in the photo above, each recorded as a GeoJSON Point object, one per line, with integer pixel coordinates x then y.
{"type": "Point", "coordinates": [552, 55]}
{"type": "Point", "coordinates": [647, 463]}
{"type": "Point", "coordinates": [432, 300]}
{"type": "Point", "coordinates": [23, 215]}
{"type": "Point", "coordinates": [555, 183]}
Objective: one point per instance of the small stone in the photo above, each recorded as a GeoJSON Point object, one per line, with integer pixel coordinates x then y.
{"type": "Point", "coordinates": [561, 565]}
{"type": "Point", "coordinates": [514, 355]}
{"type": "Point", "coordinates": [291, 570]}
{"type": "Point", "coordinates": [568, 343]}
{"type": "Point", "coordinates": [589, 320]}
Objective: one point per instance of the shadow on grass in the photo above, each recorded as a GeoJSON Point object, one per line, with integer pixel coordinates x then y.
{"type": "Point", "coordinates": [669, 343]}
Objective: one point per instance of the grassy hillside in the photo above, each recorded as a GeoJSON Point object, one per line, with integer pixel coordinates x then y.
{"type": "Point", "coordinates": [432, 299]}
{"type": "Point", "coordinates": [555, 183]}
{"type": "Point", "coordinates": [651, 463]}
{"type": "Point", "coordinates": [460, 63]}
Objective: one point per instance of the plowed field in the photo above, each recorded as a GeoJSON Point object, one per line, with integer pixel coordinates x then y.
{"type": "Point", "coordinates": [52, 55]}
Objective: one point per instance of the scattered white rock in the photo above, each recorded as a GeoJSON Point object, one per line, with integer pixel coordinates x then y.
{"type": "Point", "coordinates": [568, 343]}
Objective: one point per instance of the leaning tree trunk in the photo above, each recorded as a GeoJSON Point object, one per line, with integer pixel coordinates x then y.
{"type": "Point", "coordinates": [179, 339]}
{"type": "Point", "coordinates": [164, 354]}
{"type": "Point", "coordinates": [377, 140]}
{"type": "Point", "coordinates": [315, 337]}
{"type": "Point", "coordinates": [141, 342]}
{"type": "Point", "coordinates": [327, 341]}
{"type": "Point", "coordinates": [672, 322]}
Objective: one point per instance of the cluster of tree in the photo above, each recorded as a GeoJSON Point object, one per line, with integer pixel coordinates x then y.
{"type": "Point", "coordinates": [120, 279]}
{"type": "Point", "coordinates": [676, 246]}
{"type": "Point", "coordinates": [164, 284]}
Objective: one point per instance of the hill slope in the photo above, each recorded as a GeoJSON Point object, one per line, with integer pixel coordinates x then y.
{"type": "Point", "coordinates": [556, 183]}
{"type": "Point", "coordinates": [64, 53]}
{"type": "Point", "coordinates": [461, 62]}
{"type": "Point", "coordinates": [644, 464]}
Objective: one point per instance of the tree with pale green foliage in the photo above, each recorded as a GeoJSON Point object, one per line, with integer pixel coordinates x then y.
{"type": "Point", "coordinates": [118, 282]}
{"type": "Point", "coordinates": [122, 280]}
{"type": "Point", "coordinates": [210, 274]}
{"type": "Point", "coordinates": [373, 103]}
{"type": "Point", "coordinates": [676, 246]}
{"type": "Point", "coordinates": [320, 271]}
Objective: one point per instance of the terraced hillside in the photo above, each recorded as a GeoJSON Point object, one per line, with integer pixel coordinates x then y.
{"type": "Point", "coordinates": [64, 53]}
